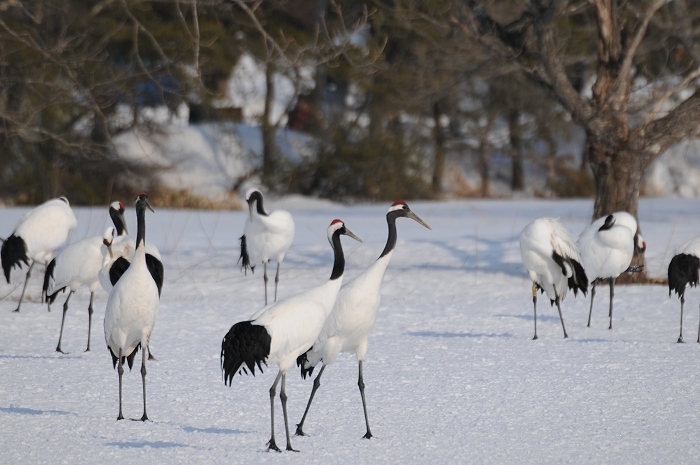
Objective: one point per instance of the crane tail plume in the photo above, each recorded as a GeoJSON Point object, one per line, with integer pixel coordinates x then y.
{"type": "Point", "coordinates": [244, 258]}
{"type": "Point", "coordinates": [48, 276]}
{"type": "Point", "coordinates": [578, 280]}
{"type": "Point", "coordinates": [14, 251]}
{"type": "Point", "coordinates": [682, 271]}
{"type": "Point", "coordinates": [125, 359]}
{"type": "Point", "coordinates": [244, 346]}
{"type": "Point", "coordinates": [155, 267]}
{"type": "Point", "coordinates": [303, 364]}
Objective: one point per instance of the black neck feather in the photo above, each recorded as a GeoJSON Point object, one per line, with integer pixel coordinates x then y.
{"type": "Point", "coordinates": [258, 198]}
{"type": "Point", "coordinates": [118, 220]}
{"type": "Point", "coordinates": [140, 223]}
{"type": "Point", "coordinates": [339, 262]}
{"type": "Point", "coordinates": [391, 240]}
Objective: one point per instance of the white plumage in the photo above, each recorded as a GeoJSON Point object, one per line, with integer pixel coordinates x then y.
{"type": "Point", "coordinates": [132, 308]}
{"type": "Point", "coordinates": [354, 314]}
{"type": "Point", "coordinates": [552, 261]}
{"type": "Point", "coordinates": [607, 247]}
{"type": "Point", "coordinates": [266, 237]}
{"type": "Point", "coordinates": [36, 237]}
{"type": "Point", "coordinates": [284, 330]}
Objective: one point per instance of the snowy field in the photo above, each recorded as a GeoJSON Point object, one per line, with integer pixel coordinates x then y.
{"type": "Point", "coordinates": [452, 374]}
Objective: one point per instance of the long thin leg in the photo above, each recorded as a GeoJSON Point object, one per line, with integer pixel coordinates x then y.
{"type": "Point", "coordinates": [26, 280]}
{"type": "Point", "coordinates": [277, 279]}
{"type": "Point", "coordinates": [63, 320]}
{"type": "Point", "coordinates": [265, 279]}
{"type": "Point", "coordinates": [612, 294]}
{"type": "Point", "coordinates": [272, 445]}
{"type": "Point", "coordinates": [560, 315]}
{"type": "Point", "coordinates": [150, 354]}
{"type": "Point", "coordinates": [120, 370]}
{"type": "Point", "coordinates": [92, 296]}
{"type": "Point", "coordinates": [590, 312]}
{"type": "Point", "coordinates": [317, 384]}
{"type": "Point", "coordinates": [698, 333]}
{"type": "Point", "coordinates": [143, 377]}
{"type": "Point", "coordinates": [283, 398]}
{"type": "Point", "coordinates": [361, 385]}
{"type": "Point", "coordinates": [534, 302]}
{"type": "Point", "coordinates": [680, 338]}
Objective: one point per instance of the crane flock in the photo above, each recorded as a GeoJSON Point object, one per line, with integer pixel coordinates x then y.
{"type": "Point", "coordinates": [311, 327]}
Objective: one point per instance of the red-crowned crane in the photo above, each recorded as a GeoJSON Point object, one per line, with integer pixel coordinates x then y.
{"type": "Point", "coordinates": [552, 261]}
{"type": "Point", "coordinates": [266, 237]}
{"type": "Point", "coordinates": [352, 320]}
{"type": "Point", "coordinates": [607, 247]}
{"type": "Point", "coordinates": [76, 265]}
{"type": "Point", "coordinates": [683, 272]}
{"type": "Point", "coordinates": [132, 308]}
{"type": "Point", "coordinates": [36, 237]}
{"type": "Point", "coordinates": [284, 330]}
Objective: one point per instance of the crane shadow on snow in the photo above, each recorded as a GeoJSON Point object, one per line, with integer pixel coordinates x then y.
{"type": "Point", "coordinates": [492, 254]}
{"type": "Point", "coordinates": [461, 335]}
{"type": "Point", "coordinates": [212, 430]}
{"type": "Point", "coordinates": [530, 317]}
{"type": "Point", "coordinates": [31, 411]}
{"type": "Point", "coordinates": [141, 444]}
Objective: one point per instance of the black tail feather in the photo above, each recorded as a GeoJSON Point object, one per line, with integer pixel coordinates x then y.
{"type": "Point", "coordinates": [47, 278]}
{"type": "Point", "coordinates": [579, 280]}
{"type": "Point", "coordinates": [129, 359]}
{"type": "Point", "coordinates": [682, 271]}
{"type": "Point", "coordinates": [155, 267]}
{"type": "Point", "coordinates": [301, 362]}
{"type": "Point", "coordinates": [245, 258]}
{"type": "Point", "coordinates": [14, 251]}
{"type": "Point", "coordinates": [117, 269]}
{"type": "Point", "coordinates": [245, 345]}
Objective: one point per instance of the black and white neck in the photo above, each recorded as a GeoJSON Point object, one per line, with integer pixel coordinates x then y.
{"type": "Point", "coordinates": [255, 198]}
{"type": "Point", "coordinates": [116, 212]}
{"type": "Point", "coordinates": [398, 209]}
{"type": "Point", "coordinates": [141, 205]}
{"type": "Point", "coordinates": [335, 230]}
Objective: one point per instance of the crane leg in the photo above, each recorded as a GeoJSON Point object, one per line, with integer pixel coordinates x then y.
{"type": "Point", "coordinates": [680, 338]}
{"type": "Point", "coordinates": [612, 294]}
{"type": "Point", "coordinates": [283, 398]}
{"type": "Point", "coordinates": [317, 384]}
{"type": "Point", "coordinates": [560, 315]}
{"type": "Point", "coordinates": [534, 302]}
{"type": "Point", "coordinates": [277, 279]}
{"type": "Point", "coordinates": [63, 320]}
{"type": "Point", "coordinates": [120, 370]}
{"type": "Point", "coordinates": [271, 444]}
{"type": "Point", "coordinates": [265, 279]}
{"type": "Point", "coordinates": [26, 280]}
{"type": "Point", "coordinates": [699, 333]}
{"type": "Point", "coordinates": [590, 312]}
{"type": "Point", "coordinates": [90, 311]}
{"type": "Point", "coordinates": [361, 385]}
{"type": "Point", "coordinates": [151, 357]}
{"type": "Point", "coordinates": [143, 378]}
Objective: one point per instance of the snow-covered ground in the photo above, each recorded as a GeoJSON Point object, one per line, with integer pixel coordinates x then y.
{"type": "Point", "coordinates": [451, 373]}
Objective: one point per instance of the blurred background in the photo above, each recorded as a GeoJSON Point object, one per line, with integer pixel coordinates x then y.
{"type": "Point", "coordinates": [195, 101]}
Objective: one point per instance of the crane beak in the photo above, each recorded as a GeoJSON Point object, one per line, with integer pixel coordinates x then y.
{"type": "Point", "coordinates": [350, 233]}
{"type": "Point", "coordinates": [413, 216]}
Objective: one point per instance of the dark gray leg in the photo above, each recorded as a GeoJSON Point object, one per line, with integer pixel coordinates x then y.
{"type": "Point", "coordinates": [560, 315]}
{"type": "Point", "coordinates": [283, 398]}
{"type": "Point", "coordinates": [612, 294]}
{"type": "Point", "coordinates": [534, 302]}
{"type": "Point", "coordinates": [143, 377]}
{"type": "Point", "coordinates": [63, 320]}
{"type": "Point", "coordinates": [26, 280]}
{"type": "Point", "coordinates": [361, 385]}
{"type": "Point", "coordinates": [265, 279]}
{"type": "Point", "coordinates": [680, 338]}
{"type": "Point", "coordinates": [92, 296]}
{"type": "Point", "coordinates": [698, 333]}
{"type": "Point", "coordinates": [277, 279]}
{"type": "Point", "coordinates": [120, 370]}
{"type": "Point", "coordinates": [590, 312]}
{"type": "Point", "coordinates": [271, 444]}
{"type": "Point", "coordinates": [150, 354]}
{"type": "Point", "coordinates": [317, 384]}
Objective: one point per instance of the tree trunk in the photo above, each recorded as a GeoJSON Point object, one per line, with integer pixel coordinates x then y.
{"type": "Point", "coordinates": [439, 137]}
{"type": "Point", "coordinates": [618, 177]}
{"type": "Point", "coordinates": [517, 182]}
{"type": "Point", "coordinates": [269, 143]}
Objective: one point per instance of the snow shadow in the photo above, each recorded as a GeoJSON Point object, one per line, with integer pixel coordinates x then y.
{"type": "Point", "coordinates": [448, 334]}
{"type": "Point", "coordinates": [530, 317]}
{"type": "Point", "coordinates": [492, 255]}
{"type": "Point", "coordinates": [141, 444]}
{"type": "Point", "coordinates": [31, 411]}
{"type": "Point", "coordinates": [192, 429]}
